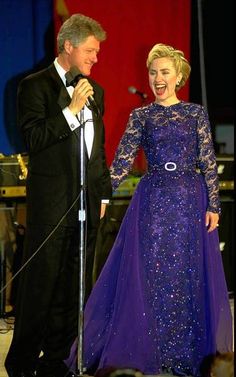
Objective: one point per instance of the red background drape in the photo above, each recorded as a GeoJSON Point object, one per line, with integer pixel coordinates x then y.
{"type": "Point", "coordinates": [132, 27]}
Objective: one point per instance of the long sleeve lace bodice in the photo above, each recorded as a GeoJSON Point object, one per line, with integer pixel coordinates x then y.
{"type": "Point", "coordinates": [179, 133]}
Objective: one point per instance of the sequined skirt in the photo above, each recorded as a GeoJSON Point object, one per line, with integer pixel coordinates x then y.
{"type": "Point", "coordinates": [161, 301]}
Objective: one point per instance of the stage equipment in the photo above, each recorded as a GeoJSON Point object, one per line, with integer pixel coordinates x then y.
{"type": "Point", "coordinates": [13, 173]}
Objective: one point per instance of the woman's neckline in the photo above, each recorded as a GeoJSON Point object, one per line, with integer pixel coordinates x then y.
{"type": "Point", "coordinates": [167, 106]}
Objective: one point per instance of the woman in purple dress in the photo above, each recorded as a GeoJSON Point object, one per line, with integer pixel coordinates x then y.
{"type": "Point", "coordinates": [161, 301]}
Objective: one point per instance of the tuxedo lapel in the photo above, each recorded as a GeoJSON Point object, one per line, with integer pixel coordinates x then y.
{"type": "Point", "coordinates": [64, 98]}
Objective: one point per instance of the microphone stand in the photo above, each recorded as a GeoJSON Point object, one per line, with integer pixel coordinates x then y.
{"type": "Point", "coordinates": [82, 221]}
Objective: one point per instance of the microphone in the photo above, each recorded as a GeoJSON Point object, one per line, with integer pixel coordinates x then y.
{"type": "Point", "coordinates": [72, 78]}
{"type": "Point", "coordinates": [133, 90]}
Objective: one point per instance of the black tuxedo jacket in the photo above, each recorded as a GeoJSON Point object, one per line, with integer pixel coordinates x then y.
{"type": "Point", "coordinates": [53, 180]}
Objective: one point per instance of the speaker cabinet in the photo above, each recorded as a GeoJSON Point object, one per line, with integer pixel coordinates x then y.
{"type": "Point", "coordinates": [2, 279]}
{"type": "Point", "coordinates": [12, 226]}
{"type": "Point", "coordinates": [108, 230]}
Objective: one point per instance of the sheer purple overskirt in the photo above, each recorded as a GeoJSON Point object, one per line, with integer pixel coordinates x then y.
{"type": "Point", "coordinates": [159, 310]}
{"type": "Point", "coordinates": [161, 300]}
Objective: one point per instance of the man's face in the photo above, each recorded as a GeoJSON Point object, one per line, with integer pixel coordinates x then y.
{"type": "Point", "coordinates": [84, 56]}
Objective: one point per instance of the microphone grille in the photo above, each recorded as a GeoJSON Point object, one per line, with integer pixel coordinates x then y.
{"type": "Point", "coordinates": [132, 89]}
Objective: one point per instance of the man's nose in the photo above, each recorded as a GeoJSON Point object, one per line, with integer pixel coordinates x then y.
{"type": "Point", "coordinates": [94, 57]}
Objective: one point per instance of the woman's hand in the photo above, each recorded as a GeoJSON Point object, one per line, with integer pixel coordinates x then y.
{"type": "Point", "coordinates": [212, 220]}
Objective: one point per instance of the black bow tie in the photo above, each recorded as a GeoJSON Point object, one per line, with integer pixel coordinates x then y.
{"type": "Point", "coordinates": [68, 83]}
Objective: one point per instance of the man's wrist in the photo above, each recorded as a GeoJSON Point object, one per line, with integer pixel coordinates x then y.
{"type": "Point", "coordinates": [71, 119]}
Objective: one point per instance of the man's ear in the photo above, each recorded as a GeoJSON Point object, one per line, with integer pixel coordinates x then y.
{"type": "Point", "coordinates": [68, 46]}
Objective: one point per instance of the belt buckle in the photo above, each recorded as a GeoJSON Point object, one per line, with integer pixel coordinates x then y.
{"type": "Point", "coordinates": [172, 167]}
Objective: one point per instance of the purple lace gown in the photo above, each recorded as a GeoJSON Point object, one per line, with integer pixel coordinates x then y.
{"type": "Point", "coordinates": [161, 301]}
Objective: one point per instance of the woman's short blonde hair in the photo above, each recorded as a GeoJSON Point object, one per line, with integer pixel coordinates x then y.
{"type": "Point", "coordinates": [181, 64]}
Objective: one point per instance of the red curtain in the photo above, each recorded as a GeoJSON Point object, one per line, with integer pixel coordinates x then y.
{"type": "Point", "coordinates": [132, 27]}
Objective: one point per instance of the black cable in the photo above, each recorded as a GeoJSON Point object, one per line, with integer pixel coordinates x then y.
{"type": "Point", "coordinates": [41, 245]}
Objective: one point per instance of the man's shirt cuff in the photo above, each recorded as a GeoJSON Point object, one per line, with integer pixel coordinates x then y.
{"type": "Point", "coordinates": [71, 119]}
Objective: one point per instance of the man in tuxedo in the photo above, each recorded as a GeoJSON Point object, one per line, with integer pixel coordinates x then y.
{"type": "Point", "coordinates": [50, 114]}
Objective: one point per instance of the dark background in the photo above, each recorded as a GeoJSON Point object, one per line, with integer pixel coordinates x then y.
{"type": "Point", "coordinates": [218, 40]}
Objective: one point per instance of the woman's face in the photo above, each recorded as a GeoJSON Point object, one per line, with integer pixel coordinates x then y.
{"type": "Point", "coordinates": [163, 79]}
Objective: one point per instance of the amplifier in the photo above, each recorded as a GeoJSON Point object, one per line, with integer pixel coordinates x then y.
{"type": "Point", "coordinates": [225, 166]}
{"type": "Point", "coordinates": [13, 173]}
{"type": "Point", "coordinates": [127, 187]}
{"type": "Point", "coordinates": [12, 191]}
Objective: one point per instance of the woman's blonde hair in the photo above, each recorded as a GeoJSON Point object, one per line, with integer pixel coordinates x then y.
{"type": "Point", "coordinates": [181, 64]}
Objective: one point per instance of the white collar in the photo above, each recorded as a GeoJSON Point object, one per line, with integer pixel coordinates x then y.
{"type": "Point", "coordinates": [61, 72]}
